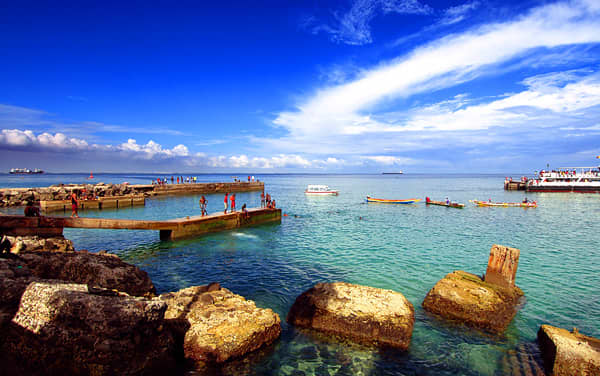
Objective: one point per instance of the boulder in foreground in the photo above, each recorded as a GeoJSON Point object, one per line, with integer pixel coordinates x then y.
{"type": "Point", "coordinates": [216, 325]}
{"type": "Point", "coordinates": [103, 270]}
{"type": "Point", "coordinates": [569, 353]}
{"type": "Point", "coordinates": [63, 328]}
{"type": "Point", "coordinates": [467, 298]}
{"type": "Point", "coordinates": [361, 313]}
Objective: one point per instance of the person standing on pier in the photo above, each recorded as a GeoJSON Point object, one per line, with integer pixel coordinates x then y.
{"type": "Point", "coordinates": [203, 205]}
{"type": "Point", "coordinates": [232, 202]}
{"type": "Point", "coordinates": [74, 203]}
{"type": "Point", "coordinates": [225, 202]}
{"type": "Point", "coordinates": [262, 199]}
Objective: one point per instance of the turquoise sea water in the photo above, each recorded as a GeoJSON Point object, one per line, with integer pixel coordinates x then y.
{"type": "Point", "coordinates": [406, 248]}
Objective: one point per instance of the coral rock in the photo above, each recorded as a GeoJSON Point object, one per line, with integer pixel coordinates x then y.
{"type": "Point", "coordinates": [361, 313]}
{"type": "Point", "coordinates": [465, 297]}
{"type": "Point", "coordinates": [62, 328]}
{"type": "Point", "coordinates": [216, 325]}
{"type": "Point", "coordinates": [567, 353]}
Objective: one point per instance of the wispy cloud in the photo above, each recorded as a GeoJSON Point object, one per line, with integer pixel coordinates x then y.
{"type": "Point", "coordinates": [16, 117]}
{"type": "Point", "coordinates": [354, 25]}
{"type": "Point", "coordinates": [458, 13]}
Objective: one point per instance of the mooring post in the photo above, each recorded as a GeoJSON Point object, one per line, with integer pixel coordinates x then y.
{"type": "Point", "coordinates": [502, 266]}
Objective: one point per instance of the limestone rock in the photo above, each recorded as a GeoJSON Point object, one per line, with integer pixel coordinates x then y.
{"type": "Point", "coordinates": [107, 271]}
{"type": "Point", "coordinates": [14, 278]}
{"type": "Point", "coordinates": [567, 353]}
{"type": "Point", "coordinates": [465, 297]}
{"type": "Point", "coordinates": [361, 313]}
{"type": "Point", "coordinates": [38, 243]}
{"type": "Point", "coordinates": [216, 325]}
{"type": "Point", "coordinates": [61, 328]}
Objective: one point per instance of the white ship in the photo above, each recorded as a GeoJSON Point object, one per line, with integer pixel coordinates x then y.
{"type": "Point", "coordinates": [566, 179]}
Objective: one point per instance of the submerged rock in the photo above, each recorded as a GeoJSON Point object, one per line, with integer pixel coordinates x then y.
{"type": "Point", "coordinates": [361, 313]}
{"type": "Point", "coordinates": [216, 325]}
{"type": "Point", "coordinates": [63, 328]}
{"type": "Point", "coordinates": [467, 298]}
{"type": "Point", "coordinates": [104, 270]}
{"type": "Point", "coordinates": [569, 353]}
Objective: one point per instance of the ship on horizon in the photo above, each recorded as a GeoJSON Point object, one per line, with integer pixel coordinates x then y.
{"type": "Point", "coordinates": [393, 173]}
{"type": "Point", "coordinates": [25, 171]}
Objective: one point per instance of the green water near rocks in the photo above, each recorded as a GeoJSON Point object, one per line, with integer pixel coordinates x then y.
{"type": "Point", "coordinates": [406, 248]}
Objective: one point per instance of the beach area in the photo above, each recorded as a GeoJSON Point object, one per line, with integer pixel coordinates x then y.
{"type": "Point", "coordinates": [405, 248]}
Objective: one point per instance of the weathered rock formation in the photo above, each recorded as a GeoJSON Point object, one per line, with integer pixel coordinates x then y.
{"type": "Point", "coordinates": [15, 276]}
{"type": "Point", "coordinates": [361, 313]}
{"type": "Point", "coordinates": [569, 353]}
{"type": "Point", "coordinates": [63, 328]}
{"type": "Point", "coordinates": [467, 298]}
{"type": "Point", "coordinates": [216, 325]}
{"type": "Point", "coordinates": [38, 243]}
{"type": "Point", "coordinates": [103, 270]}
{"type": "Point", "coordinates": [502, 266]}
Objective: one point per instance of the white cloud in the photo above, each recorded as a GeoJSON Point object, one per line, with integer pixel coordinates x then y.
{"type": "Point", "coordinates": [27, 139]}
{"type": "Point", "coordinates": [353, 27]}
{"type": "Point", "coordinates": [389, 160]}
{"type": "Point", "coordinates": [458, 13]}
{"type": "Point", "coordinates": [333, 114]}
{"type": "Point", "coordinates": [152, 150]}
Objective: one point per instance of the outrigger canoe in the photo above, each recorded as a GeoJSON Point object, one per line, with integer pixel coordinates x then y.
{"type": "Point", "coordinates": [442, 203]}
{"type": "Point", "coordinates": [383, 201]}
{"type": "Point", "coordinates": [506, 204]}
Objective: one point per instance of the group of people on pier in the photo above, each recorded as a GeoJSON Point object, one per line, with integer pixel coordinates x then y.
{"type": "Point", "coordinates": [175, 180]}
{"type": "Point", "coordinates": [266, 201]}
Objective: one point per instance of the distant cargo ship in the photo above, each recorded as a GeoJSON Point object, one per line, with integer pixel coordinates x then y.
{"type": "Point", "coordinates": [393, 173]}
{"type": "Point", "coordinates": [25, 171]}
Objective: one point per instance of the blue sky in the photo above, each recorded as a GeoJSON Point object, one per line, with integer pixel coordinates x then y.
{"type": "Point", "coordinates": [299, 86]}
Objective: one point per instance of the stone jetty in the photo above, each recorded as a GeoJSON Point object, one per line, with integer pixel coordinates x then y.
{"type": "Point", "coordinates": [489, 303]}
{"type": "Point", "coordinates": [361, 313]}
{"type": "Point", "coordinates": [83, 313]}
{"type": "Point", "coordinates": [101, 195]}
{"type": "Point", "coordinates": [569, 353]}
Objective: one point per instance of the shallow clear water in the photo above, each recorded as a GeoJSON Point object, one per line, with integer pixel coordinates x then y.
{"type": "Point", "coordinates": [406, 248]}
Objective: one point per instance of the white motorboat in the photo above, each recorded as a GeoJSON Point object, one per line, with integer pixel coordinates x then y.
{"type": "Point", "coordinates": [320, 190]}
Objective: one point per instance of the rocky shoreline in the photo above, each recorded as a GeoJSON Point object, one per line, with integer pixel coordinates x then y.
{"type": "Point", "coordinates": [72, 312]}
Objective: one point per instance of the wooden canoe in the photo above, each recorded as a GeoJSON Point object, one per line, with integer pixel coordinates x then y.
{"type": "Point", "coordinates": [384, 201]}
{"type": "Point", "coordinates": [506, 204]}
{"type": "Point", "coordinates": [443, 203]}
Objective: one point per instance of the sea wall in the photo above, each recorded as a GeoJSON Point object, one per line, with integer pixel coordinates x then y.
{"type": "Point", "coordinates": [60, 192]}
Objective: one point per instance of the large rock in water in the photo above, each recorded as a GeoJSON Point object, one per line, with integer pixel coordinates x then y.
{"type": "Point", "coordinates": [361, 313]}
{"type": "Point", "coordinates": [567, 353]}
{"type": "Point", "coordinates": [63, 328]}
{"type": "Point", "coordinates": [217, 325]}
{"type": "Point", "coordinates": [467, 298]}
{"type": "Point", "coordinates": [39, 243]}
{"type": "Point", "coordinates": [104, 270]}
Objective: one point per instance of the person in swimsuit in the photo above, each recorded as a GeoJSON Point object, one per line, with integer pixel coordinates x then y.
{"type": "Point", "coordinates": [225, 202]}
{"type": "Point", "coordinates": [74, 203]}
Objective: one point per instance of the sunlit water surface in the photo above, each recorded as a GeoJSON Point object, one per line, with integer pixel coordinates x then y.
{"type": "Point", "coordinates": [406, 248]}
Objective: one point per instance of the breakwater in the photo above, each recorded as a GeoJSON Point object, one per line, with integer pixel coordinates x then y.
{"type": "Point", "coordinates": [169, 230]}
{"type": "Point", "coordinates": [98, 196]}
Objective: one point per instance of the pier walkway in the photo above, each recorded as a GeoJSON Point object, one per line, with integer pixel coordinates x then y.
{"type": "Point", "coordinates": [16, 225]}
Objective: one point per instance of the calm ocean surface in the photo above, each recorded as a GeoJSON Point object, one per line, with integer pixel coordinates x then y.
{"type": "Point", "coordinates": [406, 248]}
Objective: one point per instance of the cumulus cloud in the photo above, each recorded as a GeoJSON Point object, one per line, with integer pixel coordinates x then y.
{"type": "Point", "coordinates": [353, 27]}
{"type": "Point", "coordinates": [152, 150]}
{"type": "Point", "coordinates": [15, 138]}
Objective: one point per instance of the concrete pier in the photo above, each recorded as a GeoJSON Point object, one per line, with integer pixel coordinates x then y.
{"type": "Point", "coordinates": [513, 185]}
{"type": "Point", "coordinates": [179, 228]}
{"type": "Point", "coordinates": [100, 203]}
